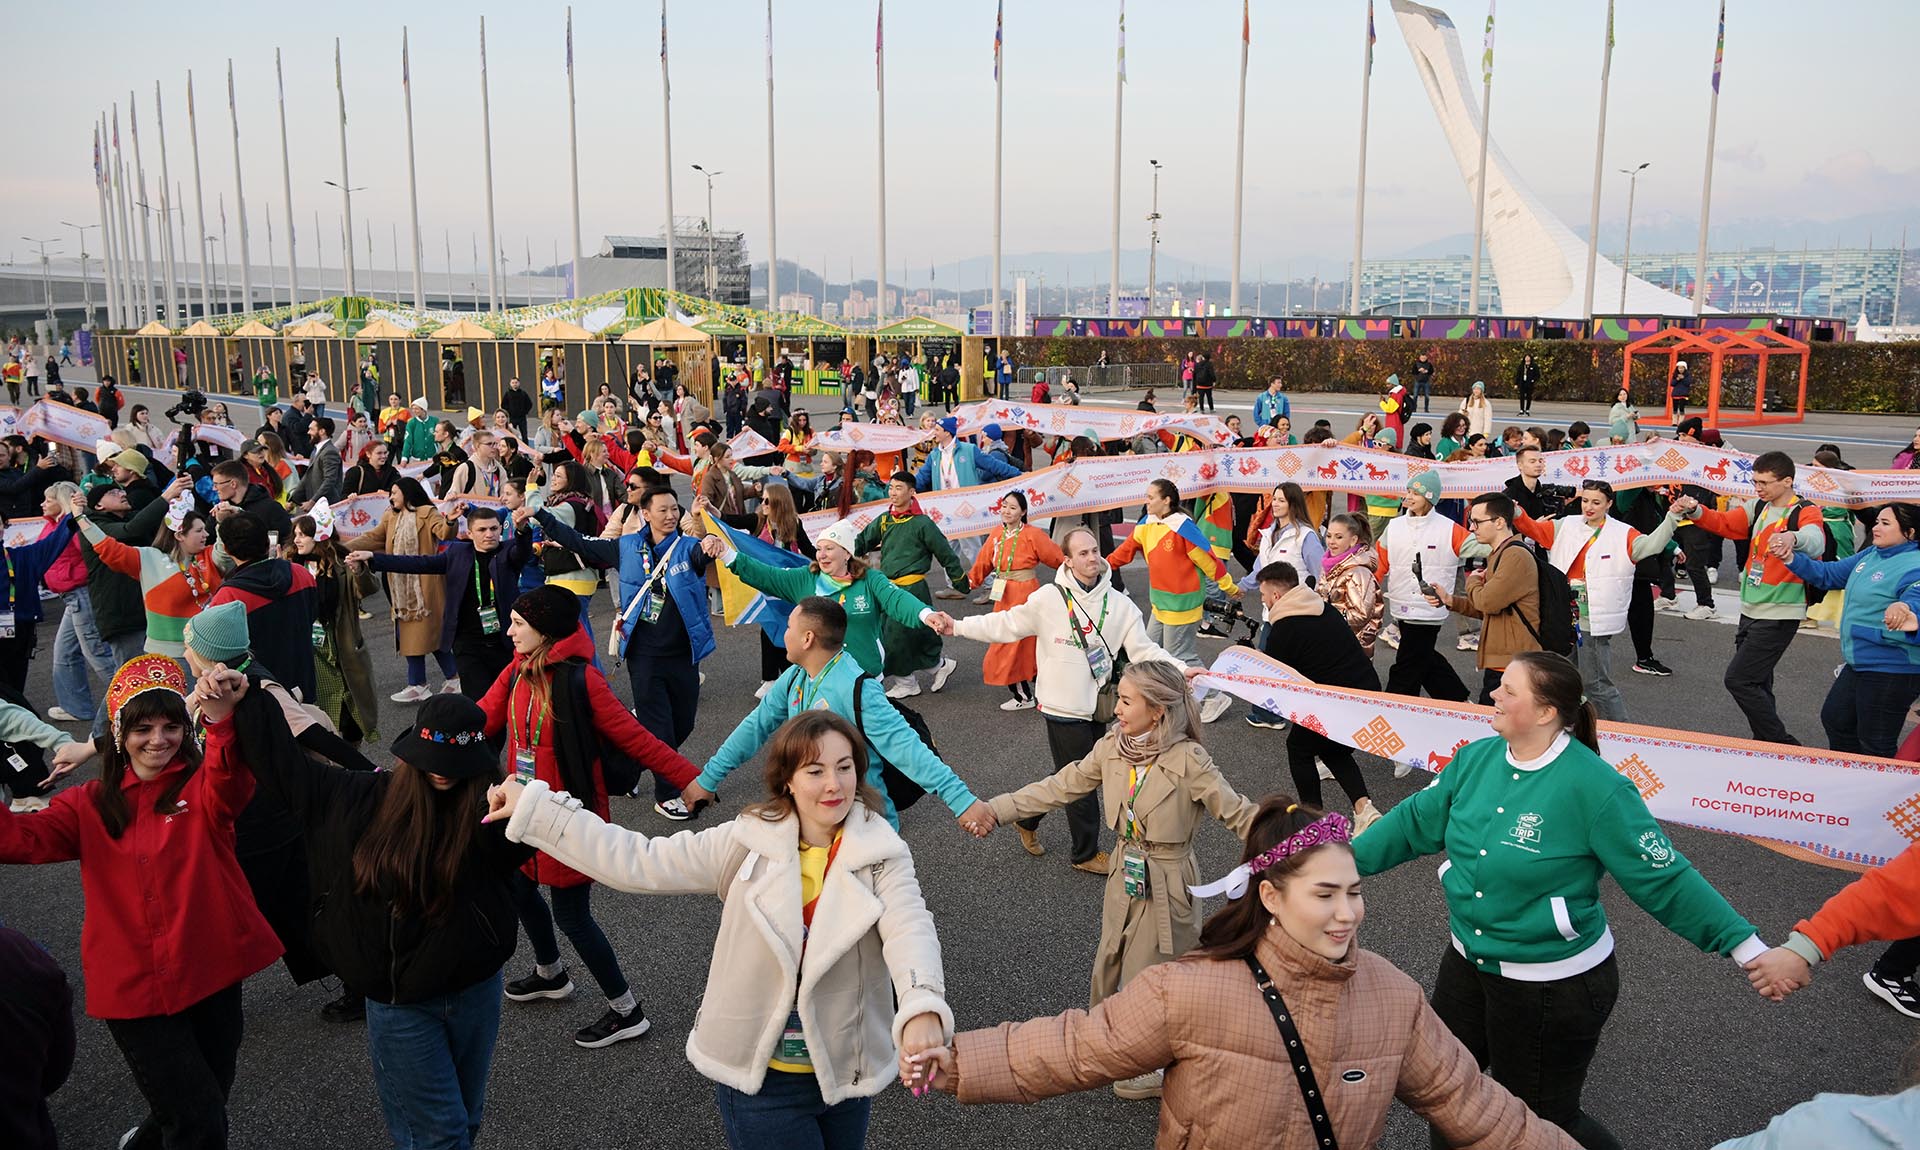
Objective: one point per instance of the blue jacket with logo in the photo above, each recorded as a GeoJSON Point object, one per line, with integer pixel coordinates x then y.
{"type": "Point", "coordinates": [1874, 579]}
{"type": "Point", "coordinates": [685, 579]}
{"type": "Point", "coordinates": [972, 465]}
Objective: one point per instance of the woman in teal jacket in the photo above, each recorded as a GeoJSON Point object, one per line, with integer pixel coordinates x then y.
{"type": "Point", "coordinates": [1881, 678]}
{"type": "Point", "coordinates": [1530, 822]}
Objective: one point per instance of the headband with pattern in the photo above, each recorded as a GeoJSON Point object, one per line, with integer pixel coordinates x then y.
{"type": "Point", "coordinates": [1329, 828]}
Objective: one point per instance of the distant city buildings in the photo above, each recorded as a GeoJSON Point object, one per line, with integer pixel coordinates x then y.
{"type": "Point", "coordinates": [625, 261]}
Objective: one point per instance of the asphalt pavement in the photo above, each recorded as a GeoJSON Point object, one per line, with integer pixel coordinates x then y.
{"type": "Point", "coordinates": [1691, 1056]}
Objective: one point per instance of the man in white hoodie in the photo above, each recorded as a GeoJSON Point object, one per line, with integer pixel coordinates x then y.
{"type": "Point", "coordinates": [1421, 547]}
{"type": "Point", "coordinates": [1083, 627]}
{"type": "Point", "coordinates": [1596, 553]}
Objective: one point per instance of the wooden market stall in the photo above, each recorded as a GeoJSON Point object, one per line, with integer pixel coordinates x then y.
{"type": "Point", "coordinates": [685, 347]}
{"type": "Point", "coordinates": [472, 347]}
{"type": "Point", "coordinates": [256, 345]}
{"type": "Point", "coordinates": [314, 344]}
{"type": "Point", "coordinates": [553, 341]}
{"type": "Point", "coordinates": [406, 364]}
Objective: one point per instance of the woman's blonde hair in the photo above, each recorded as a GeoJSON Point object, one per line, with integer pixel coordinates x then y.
{"type": "Point", "coordinates": [1162, 684]}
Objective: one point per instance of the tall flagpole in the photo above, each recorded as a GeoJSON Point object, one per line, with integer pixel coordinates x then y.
{"type": "Point", "coordinates": [666, 140]}
{"type": "Point", "coordinates": [880, 85]}
{"type": "Point", "coordinates": [346, 185]}
{"type": "Point", "coordinates": [240, 200]}
{"type": "Point", "coordinates": [1706, 183]}
{"type": "Point", "coordinates": [413, 195]}
{"type": "Point", "coordinates": [486, 130]}
{"type": "Point", "coordinates": [200, 202]}
{"type": "Point", "coordinates": [1119, 90]}
{"type": "Point", "coordinates": [1480, 185]}
{"type": "Point", "coordinates": [129, 298]}
{"type": "Point", "coordinates": [1599, 163]}
{"type": "Point", "coordinates": [146, 214]}
{"type": "Point", "coordinates": [175, 305]}
{"type": "Point", "coordinates": [106, 233]}
{"type": "Point", "coordinates": [573, 155]}
{"type": "Point", "coordinates": [226, 259]}
{"type": "Point", "coordinates": [1240, 153]}
{"type": "Point", "coordinates": [1360, 189]}
{"type": "Point", "coordinates": [773, 227]}
{"type": "Point", "coordinates": [999, 31]}
{"type": "Point", "coordinates": [273, 299]}
{"type": "Point", "coordinates": [286, 193]}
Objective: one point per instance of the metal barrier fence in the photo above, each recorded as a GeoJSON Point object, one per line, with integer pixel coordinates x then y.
{"type": "Point", "coordinates": [1104, 377]}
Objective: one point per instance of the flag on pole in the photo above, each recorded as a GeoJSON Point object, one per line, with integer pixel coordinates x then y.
{"type": "Point", "coordinates": [1371, 37]}
{"type": "Point", "coordinates": [879, 46]}
{"type": "Point", "coordinates": [740, 603]}
{"type": "Point", "coordinates": [569, 40]}
{"type": "Point", "coordinates": [1720, 47]}
{"type": "Point", "coordinates": [666, 85]}
{"type": "Point", "coordinates": [999, 18]}
{"type": "Point", "coordinates": [230, 107]}
{"type": "Point", "coordinates": [1486, 53]}
{"type": "Point", "coordinates": [406, 70]}
{"type": "Point", "coordinates": [1246, 22]}
{"type": "Point", "coordinates": [1609, 23]}
{"type": "Point", "coordinates": [769, 43]}
{"type": "Point", "coordinates": [98, 176]}
{"type": "Point", "coordinates": [1123, 41]}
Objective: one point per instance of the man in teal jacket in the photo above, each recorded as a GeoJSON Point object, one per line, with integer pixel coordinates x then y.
{"type": "Point", "coordinates": [821, 678]}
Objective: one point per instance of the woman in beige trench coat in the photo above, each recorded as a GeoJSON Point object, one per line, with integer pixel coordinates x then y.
{"type": "Point", "coordinates": [1157, 781]}
{"type": "Point", "coordinates": [413, 526]}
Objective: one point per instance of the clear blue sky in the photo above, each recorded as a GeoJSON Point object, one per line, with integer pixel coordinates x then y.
{"type": "Point", "coordinates": [1806, 119]}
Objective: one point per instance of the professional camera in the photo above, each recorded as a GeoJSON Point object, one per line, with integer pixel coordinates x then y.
{"type": "Point", "coordinates": [192, 402]}
{"type": "Point", "coordinates": [1222, 617]}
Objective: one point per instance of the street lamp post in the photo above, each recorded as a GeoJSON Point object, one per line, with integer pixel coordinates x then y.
{"type": "Point", "coordinates": [86, 286]}
{"type": "Point", "coordinates": [1626, 257]}
{"type": "Point", "coordinates": [346, 214]}
{"type": "Point", "coordinates": [713, 269]}
{"type": "Point", "coordinates": [46, 279]}
{"type": "Point", "coordinates": [1153, 244]}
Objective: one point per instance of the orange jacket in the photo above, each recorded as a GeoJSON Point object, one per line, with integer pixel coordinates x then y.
{"type": "Point", "coordinates": [1883, 904]}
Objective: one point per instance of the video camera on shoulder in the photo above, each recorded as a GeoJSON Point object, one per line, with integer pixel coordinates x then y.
{"type": "Point", "coordinates": [192, 402]}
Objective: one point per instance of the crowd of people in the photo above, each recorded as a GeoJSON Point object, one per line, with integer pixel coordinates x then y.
{"type": "Point", "coordinates": [237, 819]}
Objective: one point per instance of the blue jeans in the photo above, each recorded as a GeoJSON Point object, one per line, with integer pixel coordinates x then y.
{"type": "Point", "coordinates": [417, 667]}
{"type": "Point", "coordinates": [77, 648]}
{"type": "Point", "coordinates": [789, 1113]}
{"type": "Point", "coordinates": [574, 913]}
{"type": "Point", "coordinates": [586, 620]}
{"type": "Point", "coordinates": [1422, 389]}
{"type": "Point", "coordinates": [430, 1064]}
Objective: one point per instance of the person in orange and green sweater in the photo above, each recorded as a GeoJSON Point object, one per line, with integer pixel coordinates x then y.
{"type": "Point", "coordinates": [1180, 564]}
{"type": "Point", "coordinates": [1881, 905]}
{"type": "Point", "coordinates": [1773, 600]}
{"type": "Point", "coordinates": [178, 575]}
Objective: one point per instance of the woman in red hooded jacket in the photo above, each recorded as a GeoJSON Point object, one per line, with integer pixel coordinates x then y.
{"type": "Point", "coordinates": [531, 702]}
{"type": "Point", "coordinates": [154, 838]}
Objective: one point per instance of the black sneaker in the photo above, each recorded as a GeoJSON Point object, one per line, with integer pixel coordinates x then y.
{"type": "Point", "coordinates": [535, 986]}
{"type": "Point", "coordinates": [1652, 666]}
{"type": "Point", "coordinates": [1212, 631]}
{"type": "Point", "coordinates": [349, 1007]}
{"type": "Point", "coordinates": [674, 808]}
{"type": "Point", "coordinates": [1270, 722]}
{"type": "Point", "coordinates": [613, 1027]}
{"type": "Point", "coordinates": [1899, 993]}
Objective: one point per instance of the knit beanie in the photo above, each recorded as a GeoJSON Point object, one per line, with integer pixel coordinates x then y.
{"type": "Point", "coordinates": [950, 425]}
{"type": "Point", "coordinates": [100, 491]}
{"type": "Point", "coordinates": [552, 611]}
{"type": "Point", "coordinates": [992, 431]}
{"type": "Point", "coordinates": [219, 634]}
{"type": "Point", "coordinates": [1426, 485]}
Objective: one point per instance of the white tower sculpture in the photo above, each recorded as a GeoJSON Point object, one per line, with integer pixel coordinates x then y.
{"type": "Point", "coordinates": [1539, 263]}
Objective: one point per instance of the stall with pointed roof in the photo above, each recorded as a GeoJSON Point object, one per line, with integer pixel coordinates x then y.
{"type": "Point", "coordinates": [1732, 365]}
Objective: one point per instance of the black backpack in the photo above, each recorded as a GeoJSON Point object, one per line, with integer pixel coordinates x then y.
{"type": "Point", "coordinates": [620, 771]}
{"type": "Point", "coordinates": [902, 790]}
{"type": "Point", "coordinates": [1559, 610]}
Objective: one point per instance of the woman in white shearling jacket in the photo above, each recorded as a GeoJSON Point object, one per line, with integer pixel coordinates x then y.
{"type": "Point", "coordinates": [774, 1031]}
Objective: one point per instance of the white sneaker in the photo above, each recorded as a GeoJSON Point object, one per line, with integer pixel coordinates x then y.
{"type": "Point", "coordinates": [127, 1138]}
{"type": "Point", "coordinates": [411, 694]}
{"type": "Point", "coordinates": [61, 715]}
{"type": "Point", "coordinates": [1140, 1087]}
{"type": "Point", "coordinates": [1391, 636]}
{"type": "Point", "coordinates": [1402, 770]}
{"type": "Point", "coordinates": [1326, 776]}
{"type": "Point", "coordinates": [451, 686]}
{"type": "Point", "coordinates": [1214, 706]}
{"type": "Point", "coordinates": [1469, 642]}
{"type": "Point", "coordinates": [1017, 705]}
{"type": "Point", "coordinates": [1364, 817]}
{"type": "Point", "coordinates": [1713, 574]}
{"type": "Point", "coordinates": [1701, 611]}
{"type": "Point", "coordinates": [941, 673]}
{"type": "Point", "coordinates": [1660, 604]}
{"type": "Point", "coordinates": [905, 688]}
{"type": "Point", "coordinates": [27, 804]}
{"type": "Point", "coordinates": [764, 688]}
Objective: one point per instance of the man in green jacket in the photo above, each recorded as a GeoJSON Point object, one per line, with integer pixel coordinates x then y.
{"type": "Point", "coordinates": [909, 543]}
{"type": "Point", "coordinates": [823, 678]}
{"type": "Point", "coordinates": [266, 389]}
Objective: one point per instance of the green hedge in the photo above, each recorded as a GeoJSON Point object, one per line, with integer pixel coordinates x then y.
{"type": "Point", "coordinates": [1861, 377]}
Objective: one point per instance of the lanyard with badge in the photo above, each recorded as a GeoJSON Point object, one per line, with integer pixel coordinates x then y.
{"type": "Point", "coordinates": [1133, 864]}
{"type": "Point", "coordinates": [1004, 551]}
{"type": "Point", "coordinates": [1099, 660]}
{"type": "Point", "coordinates": [792, 1048]}
{"type": "Point", "coordinates": [523, 747]}
{"type": "Point", "coordinates": [13, 595]}
{"type": "Point", "coordinates": [487, 601]}
{"type": "Point", "coordinates": [807, 700]}
{"type": "Point", "coordinates": [651, 602]}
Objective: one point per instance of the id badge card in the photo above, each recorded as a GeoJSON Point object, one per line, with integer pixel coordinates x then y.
{"type": "Point", "coordinates": [489, 620]}
{"type": "Point", "coordinates": [1133, 872]}
{"type": "Point", "coordinates": [6, 624]}
{"type": "Point", "coordinates": [650, 608]}
{"type": "Point", "coordinates": [998, 590]}
{"type": "Point", "coordinates": [18, 764]}
{"type": "Point", "coordinates": [523, 766]}
{"type": "Point", "coordinates": [793, 1041]}
{"type": "Point", "coordinates": [1100, 663]}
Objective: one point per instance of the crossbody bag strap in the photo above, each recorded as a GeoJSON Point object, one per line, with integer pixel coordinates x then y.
{"type": "Point", "coordinates": [1296, 1054]}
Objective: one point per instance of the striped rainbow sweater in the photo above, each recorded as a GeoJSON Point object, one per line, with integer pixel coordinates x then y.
{"type": "Point", "coordinates": [1178, 556]}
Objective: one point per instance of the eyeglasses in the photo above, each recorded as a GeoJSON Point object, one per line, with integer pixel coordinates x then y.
{"type": "Point", "coordinates": [1472, 522]}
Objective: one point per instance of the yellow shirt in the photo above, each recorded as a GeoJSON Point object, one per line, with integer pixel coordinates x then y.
{"type": "Point", "coordinates": [813, 873]}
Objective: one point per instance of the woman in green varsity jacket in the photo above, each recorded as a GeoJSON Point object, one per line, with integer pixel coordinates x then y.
{"type": "Point", "coordinates": [1530, 822]}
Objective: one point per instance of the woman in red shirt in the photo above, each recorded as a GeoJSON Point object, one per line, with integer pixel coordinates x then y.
{"type": "Point", "coordinates": [154, 838]}
{"type": "Point", "coordinates": [531, 703]}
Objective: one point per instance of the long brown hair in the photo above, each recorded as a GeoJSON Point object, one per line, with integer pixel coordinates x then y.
{"type": "Point", "coordinates": [780, 516]}
{"type": "Point", "coordinates": [108, 799]}
{"type": "Point", "coordinates": [793, 746]}
{"type": "Point", "coordinates": [413, 851]}
{"type": "Point", "coordinates": [325, 557]}
{"type": "Point", "coordinates": [1234, 930]}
